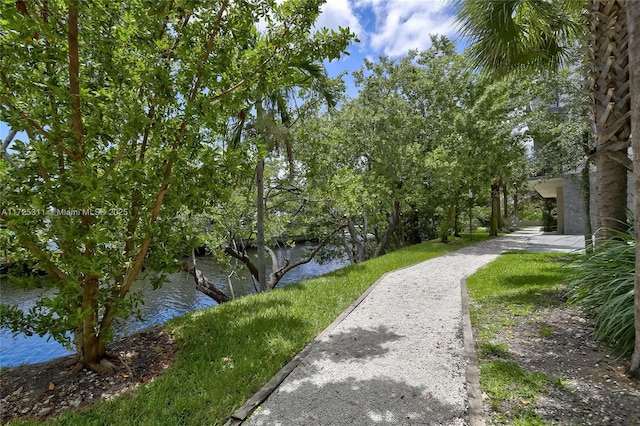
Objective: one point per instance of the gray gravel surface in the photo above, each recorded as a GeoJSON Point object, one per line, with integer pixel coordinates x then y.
{"type": "Point", "coordinates": [397, 358]}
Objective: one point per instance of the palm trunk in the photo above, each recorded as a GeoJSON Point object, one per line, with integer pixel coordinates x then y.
{"type": "Point", "coordinates": [609, 72]}
{"type": "Point", "coordinates": [611, 196]}
{"type": "Point", "coordinates": [586, 199]}
{"type": "Point", "coordinates": [633, 15]}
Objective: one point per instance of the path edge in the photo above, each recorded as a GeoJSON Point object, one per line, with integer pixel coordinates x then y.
{"type": "Point", "coordinates": [475, 410]}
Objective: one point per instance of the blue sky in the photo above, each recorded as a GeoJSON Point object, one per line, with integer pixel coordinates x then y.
{"type": "Point", "coordinates": [384, 27]}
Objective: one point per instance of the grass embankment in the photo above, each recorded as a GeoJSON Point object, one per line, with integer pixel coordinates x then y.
{"type": "Point", "coordinates": [513, 286]}
{"type": "Point", "coordinates": [228, 352]}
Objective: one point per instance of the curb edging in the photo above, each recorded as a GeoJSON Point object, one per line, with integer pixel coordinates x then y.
{"type": "Point", "coordinates": [472, 374]}
{"type": "Point", "coordinates": [242, 414]}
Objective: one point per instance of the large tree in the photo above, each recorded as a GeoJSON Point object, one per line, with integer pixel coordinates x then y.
{"type": "Point", "coordinates": [633, 16]}
{"type": "Point", "coordinates": [358, 163]}
{"type": "Point", "coordinates": [400, 158]}
{"type": "Point", "coordinates": [123, 105]}
{"type": "Point", "coordinates": [522, 35]}
{"type": "Point", "coordinates": [608, 64]}
{"type": "Point", "coordinates": [540, 31]}
{"type": "Point", "coordinates": [279, 204]}
{"type": "Point", "coordinates": [488, 128]}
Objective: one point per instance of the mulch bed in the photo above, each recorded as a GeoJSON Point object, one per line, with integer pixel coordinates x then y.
{"type": "Point", "coordinates": [47, 389]}
{"type": "Point", "coordinates": [597, 392]}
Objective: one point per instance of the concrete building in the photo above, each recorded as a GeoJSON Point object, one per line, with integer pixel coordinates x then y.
{"type": "Point", "coordinates": [567, 191]}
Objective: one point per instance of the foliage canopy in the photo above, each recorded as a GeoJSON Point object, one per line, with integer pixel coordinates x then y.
{"type": "Point", "coordinates": [124, 105]}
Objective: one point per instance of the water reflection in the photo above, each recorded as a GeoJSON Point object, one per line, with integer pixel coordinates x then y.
{"type": "Point", "coordinates": [176, 297]}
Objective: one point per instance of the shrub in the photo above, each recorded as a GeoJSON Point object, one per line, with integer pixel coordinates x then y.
{"type": "Point", "coordinates": [603, 284]}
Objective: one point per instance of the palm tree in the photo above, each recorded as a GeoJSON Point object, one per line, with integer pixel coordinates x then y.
{"type": "Point", "coordinates": [272, 121]}
{"type": "Point", "coordinates": [608, 64]}
{"type": "Point", "coordinates": [518, 35]}
{"type": "Point", "coordinates": [633, 23]}
{"type": "Point", "coordinates": [521, 35]}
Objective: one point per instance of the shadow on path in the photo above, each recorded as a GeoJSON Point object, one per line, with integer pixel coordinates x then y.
{"type": "Point", "coordinates": [358, 402]}
{"type": "Point", "coordinates": [357, 343]}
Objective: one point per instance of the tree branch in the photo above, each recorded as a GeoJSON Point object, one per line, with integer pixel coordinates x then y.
{"type": "Point", "coordinates": [37, 251]}
{"type": "Point", "coordinates": [116, 161]}
{"type": "Point", "coordinates": [274, 268]}
{"type": "Point", "coordinates": [622, 158]}
{"type": "Point", "coordinates": [164, 187]}
{"type": "Point", "coordinates": [202, 283]}
{"type": "Point", "coordinates": [242, 257]}
{"type": "Point", "coordinates": [74, 78]}
{"type": "Point", "coordinates": [279, 273]}
{"type": "Point", "coordinates": [5, 145]}
{"type": "Point", "coordinates": [25, 117]}
{"type": "Point", "coordinates": [208, 49]}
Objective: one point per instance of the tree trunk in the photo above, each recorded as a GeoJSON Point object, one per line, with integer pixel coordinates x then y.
{"type": "Point", "coordinates": [516, 216]}
{"type": "Point", "coordinates": [203, 284]}
{"type": "Point", "coordinates": [262, 258]}
{"type": "Point", "coordinates": [92, 349]}
{"type": "Point", "coordinates": [414, 227]}
{"type": "Point", "coordinates": [347, 249]}
{"type": "Point", "coordinates": [609, 71]}
{"type": "Point", "coordinates": [633, 14]}
{"type": "Point", "coordinates": [456, 221]}
{"type": "Point", "coordinates": [445, 226]}
{"type": "Point", "coordinates": [586, 199]}
{"type": "Point", "coordinates": [395, 217]}
{"type": "Point", "coordinates": [244, 258]}
{"type": "Point", "coordinates": [505, 207]}
{"type": "Point", "coordinates": [495, 209]}
{"type": "Point", "coordinates": [358, 244]}
{"type": "Point", "coordinates": [611, 196]}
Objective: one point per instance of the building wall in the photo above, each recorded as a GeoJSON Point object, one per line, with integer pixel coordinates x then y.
{"type": "Point", "coordinates": [561, 208]}
{"type": "Point", "coordinates": [574, 215]}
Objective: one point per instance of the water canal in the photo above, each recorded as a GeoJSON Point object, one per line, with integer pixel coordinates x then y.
{"type": "Point", "coordinates": [174, 298]}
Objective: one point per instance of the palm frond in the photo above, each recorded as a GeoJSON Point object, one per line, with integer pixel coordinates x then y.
{"type": "Point", "coordinates": [519, 35]}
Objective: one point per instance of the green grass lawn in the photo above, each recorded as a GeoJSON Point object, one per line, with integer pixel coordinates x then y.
{"type": "Point", "coordinates": [514, 285]}
{"type": "Point", "coordinates": [228, 352]}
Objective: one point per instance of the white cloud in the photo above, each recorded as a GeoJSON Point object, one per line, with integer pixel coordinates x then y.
{"type": "Point", "coordinates": [339, 13]}
{"type": "Point", "coordinates": [392, 27]}
{"type": "Point", "coordinates": [406, 24]}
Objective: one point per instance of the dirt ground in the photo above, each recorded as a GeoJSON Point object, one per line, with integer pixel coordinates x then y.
{"type": "Point", "coordinates": [47, 389]}
{"type": "Point", "coordinates": [597, 391]}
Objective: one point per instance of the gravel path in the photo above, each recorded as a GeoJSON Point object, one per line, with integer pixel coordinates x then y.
{"type": "Point", "coordinates": [397, 358]}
